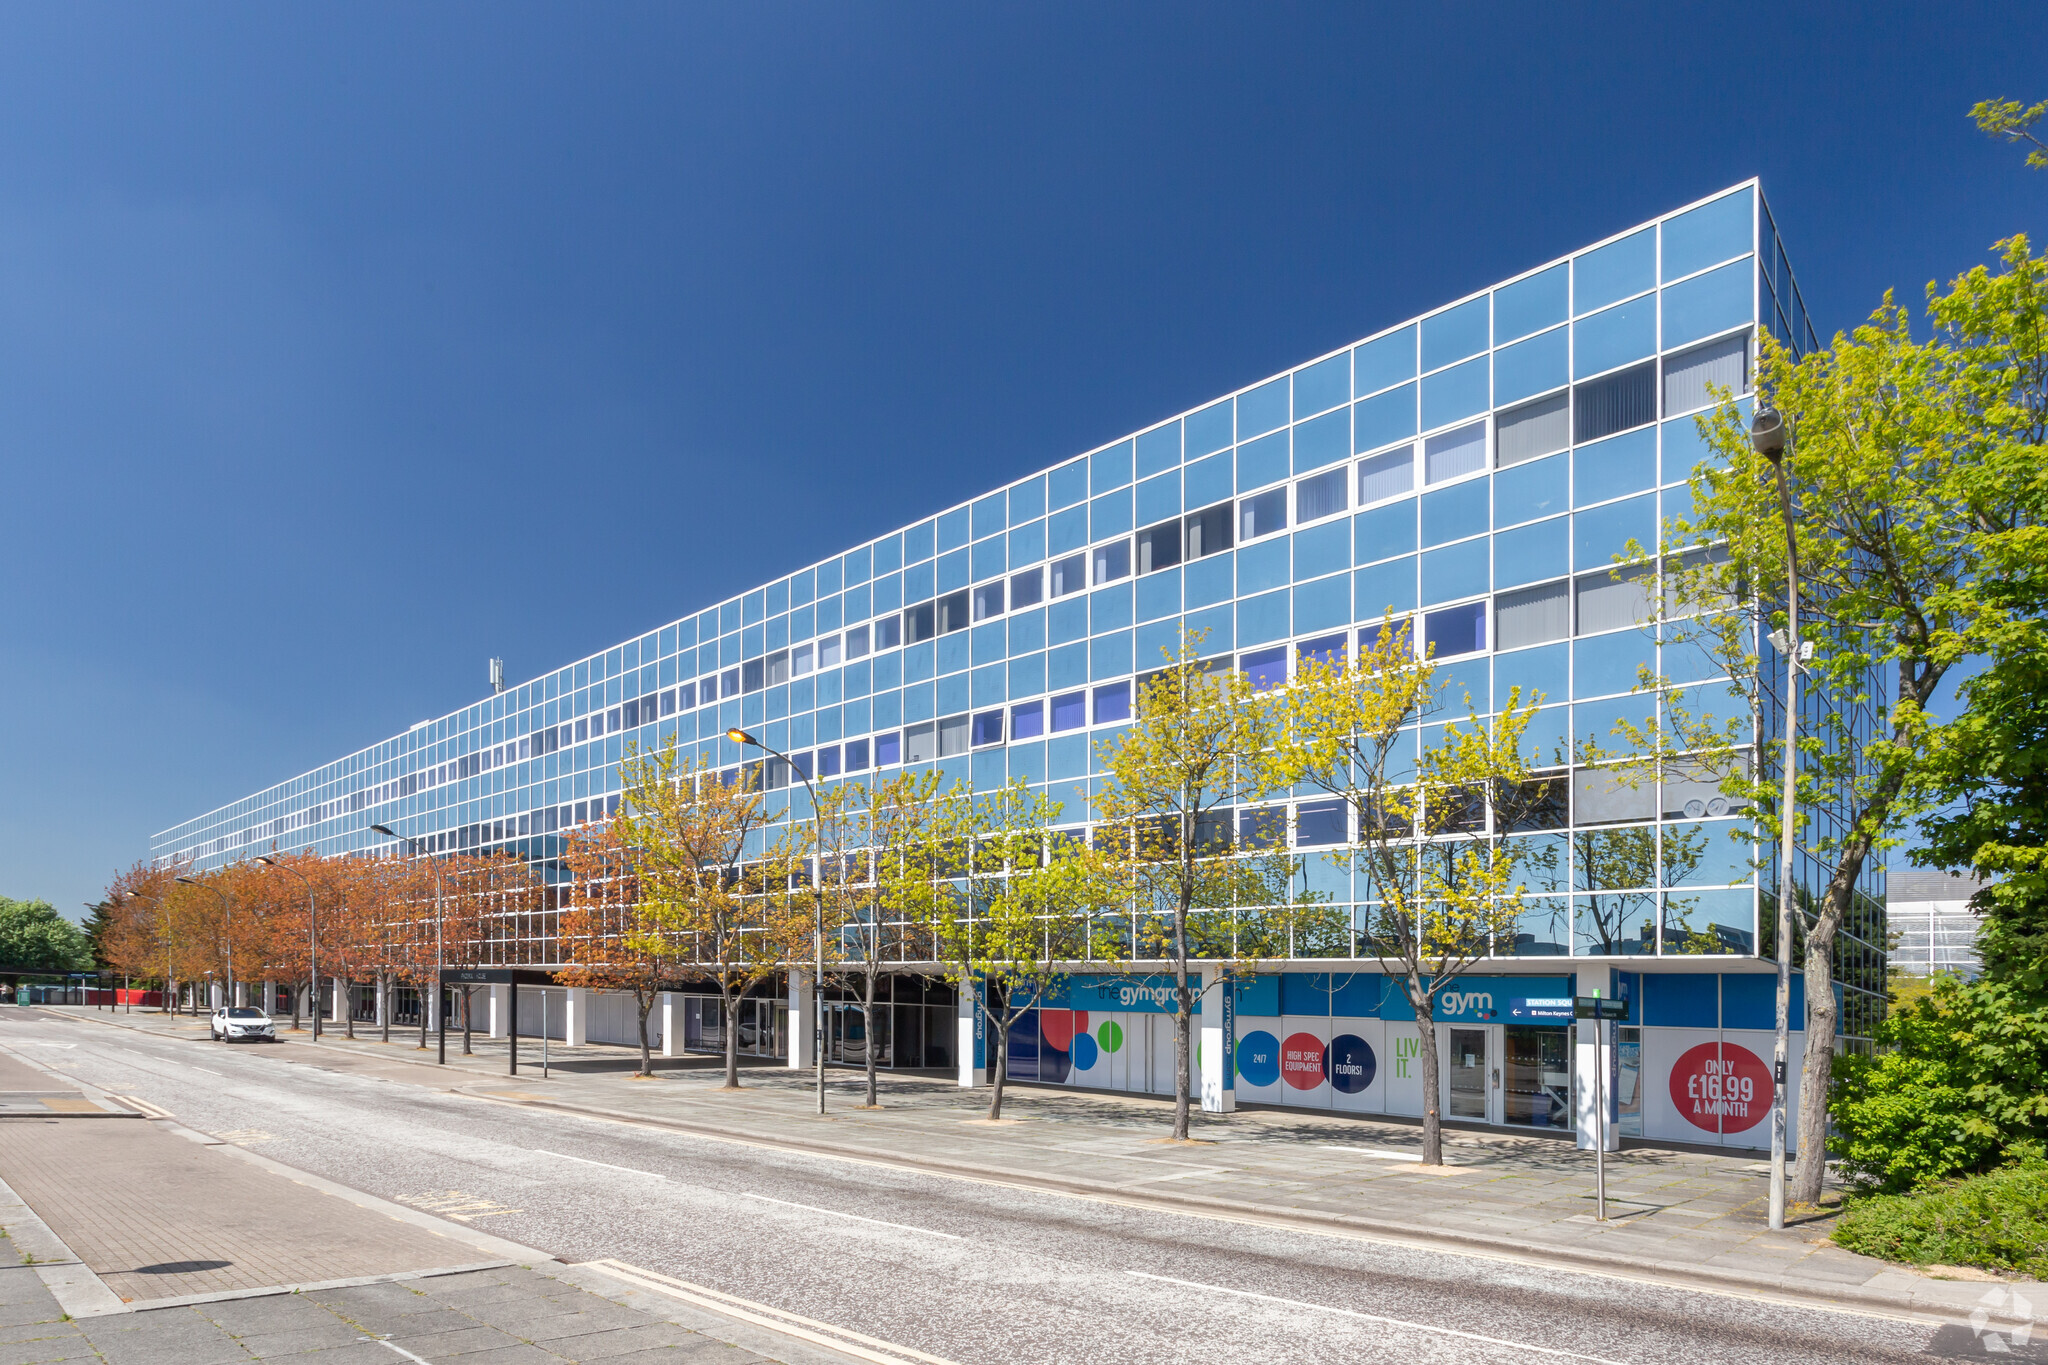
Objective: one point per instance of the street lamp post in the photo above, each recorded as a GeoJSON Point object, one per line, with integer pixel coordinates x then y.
{"type": "Point", "coordinates": [313, 936]}
{"type": "Point", "coordinates": [420, 850]}
{"type": "Point", "coordinates": [1767, 434]}
{"type": "Point", "coordinates": [739, 736]}
{"type": "Point", "coordinates": [228, 913]}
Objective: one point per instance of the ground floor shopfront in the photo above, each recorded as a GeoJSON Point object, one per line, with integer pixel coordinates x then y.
{"type": "Point", "coordinates": [1691, 1063]}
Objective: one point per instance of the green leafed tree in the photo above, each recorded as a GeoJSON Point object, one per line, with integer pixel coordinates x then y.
{"type": "Point", "coordinates": [35, 939]}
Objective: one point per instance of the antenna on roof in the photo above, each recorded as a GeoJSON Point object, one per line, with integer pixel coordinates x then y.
{"type": "Point", "coordinates": [497, 676]}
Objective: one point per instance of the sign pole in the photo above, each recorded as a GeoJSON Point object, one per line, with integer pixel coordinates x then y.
{"type": "Point", "coordinates": [1600, 1027]}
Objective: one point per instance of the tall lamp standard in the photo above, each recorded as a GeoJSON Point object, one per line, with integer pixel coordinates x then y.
{"type": "Point", "coordinates": [227, 908]}
{"type": "Point", "coordinates": [420, 851]}
{"type": "Point", "coordinates": [1768, 436]}
{"type": "Point", "coordinates": [312, 932]}
{"type": "Point", "coordinates": [739, 736]}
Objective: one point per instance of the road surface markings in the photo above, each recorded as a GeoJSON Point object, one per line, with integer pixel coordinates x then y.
{"type": "Point", "coordinates": [242, 1137]}
{"type": "Point", "coordinates": [1383, 1153]}
{"type": "Point", "coordinates": [878, 1222]}
{"type": "Point", "coordinates": [629, 1170]}
{"type": "Point", "coordinates": [141, 1106]}
{"type": "Point", "coordinates": [222, 1075]}
{"type": "Point", "coordinates": [391, 1345]}
{"type": "Point", "coordinates": [463, 1208]}
{"type": "Point", "coordinates": [841, 1339]}
{"type": "Point", "coordinates": [1375, 1317]}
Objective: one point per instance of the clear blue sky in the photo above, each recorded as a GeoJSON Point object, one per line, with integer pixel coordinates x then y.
{"type": "Point", "coordinates": [342, 347]}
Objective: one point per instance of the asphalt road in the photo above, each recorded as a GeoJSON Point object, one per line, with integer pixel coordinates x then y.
{"type": "Point", "coordinates": [959, 1270]}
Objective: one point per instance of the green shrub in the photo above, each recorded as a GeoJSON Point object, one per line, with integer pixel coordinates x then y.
{"type": "Point", "coordinates": [1958, 1086]}
{"type": "Point", "coordinates": [1997, 1221]}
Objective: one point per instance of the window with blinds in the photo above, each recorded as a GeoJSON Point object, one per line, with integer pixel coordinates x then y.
{"type": "Point", "coordinates": [1615, 402]}
{"type": "Point", "coordinates": [1607, 601]}
{"type": "Point", "coordinates": [1687, 377]}
{"type": "Point", "coordinates": [1532, 616]}
{"type": "Point", "coordinates": [1452, 453]}
{"type": "Point", "coordinates": [1388, 474]}
{"type": "Point", "coordinates": [1533, 430]}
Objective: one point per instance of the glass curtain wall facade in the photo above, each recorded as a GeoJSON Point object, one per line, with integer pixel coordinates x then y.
{"type": "Point", "coordinates": [1478, 469]}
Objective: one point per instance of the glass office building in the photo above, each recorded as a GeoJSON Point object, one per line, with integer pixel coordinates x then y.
{"type": "Point", "coordinates": [1478, 469]}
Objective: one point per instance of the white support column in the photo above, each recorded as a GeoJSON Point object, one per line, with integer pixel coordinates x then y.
{"type": "Point", "coordinates": [575, 1016]}
{"type": "Point", "coordinates": [499, 1016]}
{"type": "Point", "coordinates": [1217, 1022]}
{"type": "Point", "coordinates": [269, 1005]}
{"type": "Point", "coordinates": [668, 1016]}
{"type": "Point", "coordinates": [383, 1002]}
{"type": "Point", "coordinates": [803, 1053]}
{"type": "Point", "coordinates": [974, 1042]}
{"type": "Point", "coordinates": [430, 1001]}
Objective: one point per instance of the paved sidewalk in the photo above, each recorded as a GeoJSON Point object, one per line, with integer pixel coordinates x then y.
{"type": "Point", "coordinates": [1691, 1216]}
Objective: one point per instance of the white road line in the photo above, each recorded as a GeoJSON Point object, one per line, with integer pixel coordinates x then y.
{"type": "Point", "coordinates": [1383, 1153]}
{"type": "Point", "coordinates": [222, 1075]}
{"type": "Point", "coordinates": [629, 1170]}
{"type": "Point", "coordinates": [394, 1346]}
{"type": "Point", "coordinates": [878, 1222]}
{"type": "Point", "coordinates": [775, 1319]}
{"type": "Point", "coordinates": [1375, 1317]}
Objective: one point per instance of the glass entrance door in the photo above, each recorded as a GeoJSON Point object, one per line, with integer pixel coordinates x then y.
{"type": "Point", "coordinates": [1468, 1071]}
{"type": "Point", "coordinates": [1538, 1077]}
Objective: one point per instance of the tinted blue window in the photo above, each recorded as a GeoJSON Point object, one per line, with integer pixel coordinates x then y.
{"type": "Point", "coordinates": [1067, 485]}
{"type": "Point", "coordinates": [1530, 305]}
{"type": "Point", "coordinates": [1544, 670]}
{"type": "Point", "coordinates": [1614, 337]}
{"type": "Point", "coordinates": [1211, 580]}
{"type": "Point", "coordinates": [1528, 491]}
{"type": "Point", "coordinates": [1027, 500]}
{"type": "Point", "coordinates": [1615, 271]}
{"type": "Point", "coordinates": [1067, 530]}
{"type": "Point", "coordinates": [1109, 468]}
{"type": "Point", "coordinates": [1214, 627]}
{"type": "Point", "coordinates": [1324, 604]}
{"type": "Point", "coordinates": [917, 543]}
{"type": "Point", "coordinates": [1546, 743]}
{"type": "Point", "coordinates": [1383, 420]}
{"type": "Point", "coordinates": [1385, 587]}
{"type": "Point", "coordinates": [1608, 663]}
{"type": "Point", "coordinates": [1027, 675]}
{"type": "Point", "coordinates": [990, 516]}
{"type": "Point", "coordinates": [991, 642]}
{"type": "Point", "coordinates": [1386, 360]}
{"type": "Point", "coordinates": [1384, 531]}
{"type": "Point", "coordinates": [1685, 449]}
{"type": "Point", "coordinates": [1158, 595]}
{"type": "Point", "coordinates": [1455, 334]}
{"type": "Point", "coordinates": [1260, 619]}
{"type": "Point", "coordinates": [1454, 393]}
{"type": "Point", "coordinates": [917, 582]}
{"type": "Point", "coordinates": [1109, 608]}
{"type": "Point", "coordinates": [1325, 440]}
{"type": "Point", "coordinates": [1529, 554]}
{"type": "Point", "coordinates": [1459, 571]}
{"type": "Point", "coordinates": [1158, 498]}
{"type": "Point", "coordinates": [953, 529]}
{"type": "Point", "coordinates": [1262, 567]}
{"type": "Point", "coordinates": [1455, 630]}
{"type": "Point", "coordinates": [1027, 632]}
{"type": "Point", "coordinates": [1262, 462]}
{"type": "Point", "coordinates": [1601, 534]}
{"type": "Point", "coordinates": [952, 693]}
{"type": "Point", "coordinates": [952, 570]}
{"type": "Point", "coordinates": [1620, 464]}
{"type": "Point", "coordinates": [1533, 366]}
{"type": "Point", "coordinates": [1463, 686]}
{"type": "Point", "coordinates": [1027, 543]}
{"type": "Point", "coordinates": [1455, 512]}
{"type": "Point", "coordinates": [1322, 386]}
{"type": "Point", "coordinates": [1110, 515]}
{"type": "Point", "coordinates": [1156, 642]}
{"type": "Point", "coordinates": [1159, 449]}
{"type": "Point", "coordinates": [888, 555]}
{"type": "Point", "coordinates": [1708, 234]}
{"type": "Point", "coordinates": [1109, 656]}
{"type": "Point", "coordinates": [1706, 304]}
{"type": "Point", "coordinates": [1262, 409]}
{"type": "Point", "coordinates": [1209, 481]}
{"type": "Point", "coordinates": [1068, 620]}
{"type": "Point", "coordinates": [1323, 550]}
{"type": "Point", "coordinates": [1211, 429]}
{"type": "Point", "coordinates": [1066, 666]}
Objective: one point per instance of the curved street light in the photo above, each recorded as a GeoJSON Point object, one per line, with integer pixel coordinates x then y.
{"type": "Point", "coordinates": [739, 736]}
{"type": "Point", "coordinates": [313, 932]}
{"type": "Point", "coordinates": [420, 850]}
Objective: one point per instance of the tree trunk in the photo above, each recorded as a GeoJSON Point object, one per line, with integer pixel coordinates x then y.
{"type": "Point", "coordinates": [999, 1061]}
{"type": "Point", "coordinates": [645, 999]}
{"type": "Point", "coordinates": [731, 1003]}
{"type": "Point", "coordinates": [347, 1006]}
{"type": "Point", "coordinates": [1816, 1068]}
{"type": "Point", "coordinates": [868, 1016]}
{"type": "Point", "coordinates": [1183, 1022]}
{"type": "Point", "coordinates": [421, 993]}
{"type": "Point", "coordinates": [1432, 1114]}
{"type": "Point", "coordinates": [295, 1007]}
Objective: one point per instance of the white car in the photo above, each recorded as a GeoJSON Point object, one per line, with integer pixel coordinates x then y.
{"type": "Point", "coordinates": [243, 1024]}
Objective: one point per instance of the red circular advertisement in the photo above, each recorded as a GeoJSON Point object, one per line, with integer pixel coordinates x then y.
{"type": "Point", "coordinates": [1721, 1087]}
{"type": "Point", "coordinates": [1301, 1061]}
